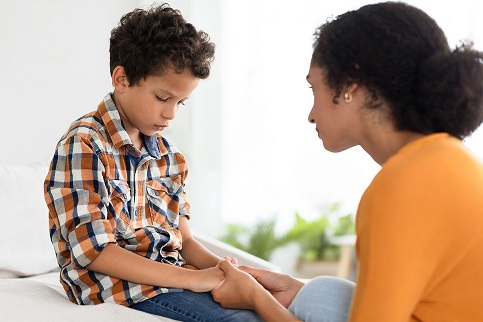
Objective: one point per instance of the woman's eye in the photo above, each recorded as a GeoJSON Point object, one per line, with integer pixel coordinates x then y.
{"type": "Point", "coordinates": [162, 99]}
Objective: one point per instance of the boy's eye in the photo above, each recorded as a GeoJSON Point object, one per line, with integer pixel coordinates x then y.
{"type": "Point", "coordinates": [162, 99]}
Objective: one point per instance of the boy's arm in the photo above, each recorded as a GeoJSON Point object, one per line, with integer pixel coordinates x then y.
{"type": "Point", "coordinates": [193, 251]}
{"type": "Point", "coordinates": [118, 262]}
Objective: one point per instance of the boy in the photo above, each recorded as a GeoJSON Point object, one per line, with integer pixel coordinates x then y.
{"type": "Point", "coordinates": [115, 191]}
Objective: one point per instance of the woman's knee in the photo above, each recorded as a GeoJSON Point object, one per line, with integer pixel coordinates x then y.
{"type": "Point", "coordinates": [324, 298]}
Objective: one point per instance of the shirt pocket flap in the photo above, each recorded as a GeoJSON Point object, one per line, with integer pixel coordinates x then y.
{"type": "Point", "coordinates": [161, 186]}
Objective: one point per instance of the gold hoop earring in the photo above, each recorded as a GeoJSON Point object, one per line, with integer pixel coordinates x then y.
{"type": "Point", "coordinates": [347, 97]}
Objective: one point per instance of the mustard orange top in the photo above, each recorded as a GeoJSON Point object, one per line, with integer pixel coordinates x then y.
{"type": "Point", "coordinates": [420, 236]}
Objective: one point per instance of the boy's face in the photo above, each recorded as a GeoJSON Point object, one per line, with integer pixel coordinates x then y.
{"type": "Point", "coordinates": [150, 106]}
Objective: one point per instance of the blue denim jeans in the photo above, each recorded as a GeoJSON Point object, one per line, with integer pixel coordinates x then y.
{"type": "Point", "coordinates": [191, 306]}
{"type": "Point", "coordinates": [324, 299]}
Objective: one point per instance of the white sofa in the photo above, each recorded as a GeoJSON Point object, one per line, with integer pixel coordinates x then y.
{"type": "Point", "coordinates": [29, 278]}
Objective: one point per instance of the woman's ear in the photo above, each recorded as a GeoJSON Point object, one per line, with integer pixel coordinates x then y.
{"type": "Point", "coordinates": [351, 88]}
{"type": "Point", "coordinates": [119, 79]}
{"type": "Point", "coordinates": [349, 91]}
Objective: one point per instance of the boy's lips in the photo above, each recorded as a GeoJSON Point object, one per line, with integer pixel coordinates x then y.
{"type": "Point", "coordinates": [160, 127]}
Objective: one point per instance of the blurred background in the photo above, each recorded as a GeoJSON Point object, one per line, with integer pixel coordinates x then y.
{"type": "Point", "coordinates": [252, 154]}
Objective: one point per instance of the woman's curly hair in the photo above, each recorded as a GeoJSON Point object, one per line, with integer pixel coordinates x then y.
{"type": "Point", "coordinates": [146, 42]}
{"type": "Point", "coordinates": [402, 57]}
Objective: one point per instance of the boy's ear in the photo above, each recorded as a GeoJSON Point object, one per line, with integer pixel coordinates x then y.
{"type": "Point", "coordinates": [119, 79]}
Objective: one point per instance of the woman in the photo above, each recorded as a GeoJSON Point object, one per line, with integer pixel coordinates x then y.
{"type": "Point", "coordinates": [383, 77]}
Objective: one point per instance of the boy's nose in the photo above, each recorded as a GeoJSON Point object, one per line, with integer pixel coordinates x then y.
{"type": "Point", "coordinates": [169, 112]}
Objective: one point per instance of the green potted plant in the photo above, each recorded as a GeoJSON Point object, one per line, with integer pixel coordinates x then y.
{"type": "Point", "coordinates": [317, 254]}
{"type": "Point", "coordinates": [260, 240]}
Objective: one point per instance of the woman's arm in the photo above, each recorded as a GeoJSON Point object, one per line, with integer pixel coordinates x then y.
{"type": "Point", "coordinates": [403, 239]}
{"type": "Point", "coordinates": [283, 287]}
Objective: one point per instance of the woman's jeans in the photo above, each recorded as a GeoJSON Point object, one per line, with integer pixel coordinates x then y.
{"type": "Point", "coordinates": [324, 299]}
{"type": "Point", "coordinates": [191, 306]}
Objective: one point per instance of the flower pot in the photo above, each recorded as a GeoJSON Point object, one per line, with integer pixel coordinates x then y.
{"type": "Point", "coordinates": [310, 269]}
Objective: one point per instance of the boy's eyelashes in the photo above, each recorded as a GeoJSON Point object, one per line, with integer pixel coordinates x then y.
{"type": "Point", "coordinates": [166, 99]}
{"type": "Point", "coordinates": [162, 99]}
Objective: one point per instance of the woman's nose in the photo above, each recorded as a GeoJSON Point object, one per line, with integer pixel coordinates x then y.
{"type": "Point", "coordinates": [311, 118]}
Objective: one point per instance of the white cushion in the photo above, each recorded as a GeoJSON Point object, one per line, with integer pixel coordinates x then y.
{"type": "Point", "coordinates": [25, 247]}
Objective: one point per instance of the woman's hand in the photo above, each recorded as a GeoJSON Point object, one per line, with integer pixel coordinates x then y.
{"type": "Point", "coordinates": [282, 286]}
{"type": "Point", "coordinates": [240, 290]}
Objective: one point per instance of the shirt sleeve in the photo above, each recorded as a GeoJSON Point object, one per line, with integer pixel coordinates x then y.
{"type": "Point", "coordinates": [184, 206]}
{"type": "Point", "coordinates": [182, 169]}
{"type": "Point", "coordinates": [78, 198]}
{"type": "Point", "coordinates": [401, 240]}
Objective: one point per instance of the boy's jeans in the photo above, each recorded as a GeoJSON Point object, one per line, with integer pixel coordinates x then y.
{"type": "Point", "coordinates": [191, 306]}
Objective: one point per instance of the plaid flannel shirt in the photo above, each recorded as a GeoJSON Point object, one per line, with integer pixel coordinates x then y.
{"type": "Point", "coordinates": [100, 189]}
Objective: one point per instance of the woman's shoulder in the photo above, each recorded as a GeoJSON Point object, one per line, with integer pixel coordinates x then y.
{"type": "Point", "coordinates": [425, 182]}
{"type": "Point", "coordinates": [432, 157]}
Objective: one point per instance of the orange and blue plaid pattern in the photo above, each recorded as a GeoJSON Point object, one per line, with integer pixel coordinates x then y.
{"type": "Point", "coordinates": [100, 189]}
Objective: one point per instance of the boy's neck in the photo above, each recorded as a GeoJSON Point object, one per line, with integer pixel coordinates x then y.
{"type": "Point", "coordinates": [138, 141]}
{"type": "Point", "coordinates": [135, 135]}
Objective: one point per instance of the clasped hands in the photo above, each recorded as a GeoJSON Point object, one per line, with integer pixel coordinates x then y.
{"type": "Point", "coordinates": [243, 285]}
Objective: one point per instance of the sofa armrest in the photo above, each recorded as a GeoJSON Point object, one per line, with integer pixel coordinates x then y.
{"type": "Point", "coordinates": [223, 249]}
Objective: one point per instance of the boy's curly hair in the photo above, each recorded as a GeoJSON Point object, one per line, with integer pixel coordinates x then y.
{"type": "Point", "coordinates": [146, 42]}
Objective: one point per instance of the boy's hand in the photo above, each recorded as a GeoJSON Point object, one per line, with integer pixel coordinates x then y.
{"type": "Point", "coordinates": [233, 260]}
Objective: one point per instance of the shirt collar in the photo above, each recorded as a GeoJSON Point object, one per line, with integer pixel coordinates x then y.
{"type": "Point", "coordinates": [115, 129]}
{"type": "Point", "coordinates": [152, 146]}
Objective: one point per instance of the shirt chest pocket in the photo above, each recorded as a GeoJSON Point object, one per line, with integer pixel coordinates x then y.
{"type": "Point", "coordinates": [163, 199]}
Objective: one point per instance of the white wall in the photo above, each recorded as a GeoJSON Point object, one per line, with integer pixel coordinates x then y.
{"type": "Point", "coordinates": [54, 64]}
